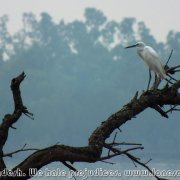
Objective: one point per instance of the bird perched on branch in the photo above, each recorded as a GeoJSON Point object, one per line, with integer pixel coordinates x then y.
{"type": "Point", "coordinates": [151, 58]}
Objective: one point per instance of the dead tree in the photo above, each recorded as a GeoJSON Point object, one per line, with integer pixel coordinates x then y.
{"type": "Point", "coordinates": [67, 155]}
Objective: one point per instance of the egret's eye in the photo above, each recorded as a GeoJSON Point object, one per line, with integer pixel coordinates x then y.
{"type": "Point", "coordinates": [139, 45]}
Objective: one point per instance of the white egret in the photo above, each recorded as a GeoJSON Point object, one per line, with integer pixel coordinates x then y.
{"type": "Point", "coordinates": [151, 58]}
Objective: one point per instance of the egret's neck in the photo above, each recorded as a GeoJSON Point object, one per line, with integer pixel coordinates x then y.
{"type": "Point", "coordinates": [140, 49]}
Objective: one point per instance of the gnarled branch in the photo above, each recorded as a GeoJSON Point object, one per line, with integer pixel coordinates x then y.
{"type": "Point", "coordinates": [97, 141]}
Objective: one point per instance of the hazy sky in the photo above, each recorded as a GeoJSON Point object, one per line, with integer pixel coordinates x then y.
{"type": "Point", "coordinates": [160, 15]}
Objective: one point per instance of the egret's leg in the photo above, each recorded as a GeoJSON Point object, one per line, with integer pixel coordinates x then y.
{"type": "Point", "coordinates": [155, 77]}
{"type": "Point", "coordinates": [149, 79]}
{"type": "Point", "coordinates": [156, 82]}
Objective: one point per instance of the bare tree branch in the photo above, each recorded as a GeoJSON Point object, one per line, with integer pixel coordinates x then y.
{"type": "Point", "coordinates": [69, 166]}
{"type": "Point", "coordinates": [137, 160]}
{"type": "Point", "coordinates": [19, 150]}
{"type": "Point", "coordinates": [169, 57]}
{"type": "Point", "coordinates": [10, 119]}
{"type": "Point", "coordinates": [158, 109]}
{"type": "Point", "coordinates": [91, 153]}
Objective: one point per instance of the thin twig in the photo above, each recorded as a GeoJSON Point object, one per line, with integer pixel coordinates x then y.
{"type": "Point", "coordinates": [143, 164]}
{"type": "Point", "coordinates": [148, 161]}
{"type": "Point", "coordinates": [108, 162]}
{"type": "Point", "coordinates": [119, 129]}
{"type": "Point", "coordinates": [169, 81]}
{"type": "Point", "coordinates": [13, 127]}
{"type": "Point", "coordinates": [173, 70]}
{"type": "Point", "coordinates": [158, 109]}
{"type": "Point", "coordinates": [19, 150]}
{"type": "Point", "coordinates": [69, 166]}
{"type": "Point", "coordinates": [171, 77]}
{"type": "Point", "coordinates": [118, 152]}
{"type": "Point", "coordinates": [124, 143]}
{"type": "Point", "coordinates": [133, 158]}
{"type": "Point", "coordinates": [26, 114]}
{"type": "Point", "coordinates": [173, 108]}
{"type": "Point", "coordinates": [177, 70]}
{"type": "Point", "coordinates": [169, 57]}
{"type": "Point", "coordinates": [112, 142]}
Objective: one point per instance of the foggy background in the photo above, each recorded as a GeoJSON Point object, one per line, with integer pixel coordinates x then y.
{"type": "Point", "coordinates": [78, 74]}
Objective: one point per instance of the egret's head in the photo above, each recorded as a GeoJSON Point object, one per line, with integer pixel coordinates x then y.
{"type": "Point", "coordinates": [139, 45]}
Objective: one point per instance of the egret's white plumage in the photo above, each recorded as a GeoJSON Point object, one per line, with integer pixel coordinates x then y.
{"type": "Point", "coordinates": [151, 58]}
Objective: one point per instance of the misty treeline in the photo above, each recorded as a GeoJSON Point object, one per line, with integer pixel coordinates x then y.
{"type": "Point", "coordinates": [77, 72]}
{"type": "Point", "coordinates": [94, 42]}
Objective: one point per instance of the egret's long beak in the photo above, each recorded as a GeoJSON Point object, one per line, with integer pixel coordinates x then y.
{"type": "Point", "coordinates": [130, 46]}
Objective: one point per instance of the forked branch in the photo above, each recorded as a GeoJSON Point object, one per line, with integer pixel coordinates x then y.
{"type": "Point", "coordinates": [91, 153]}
